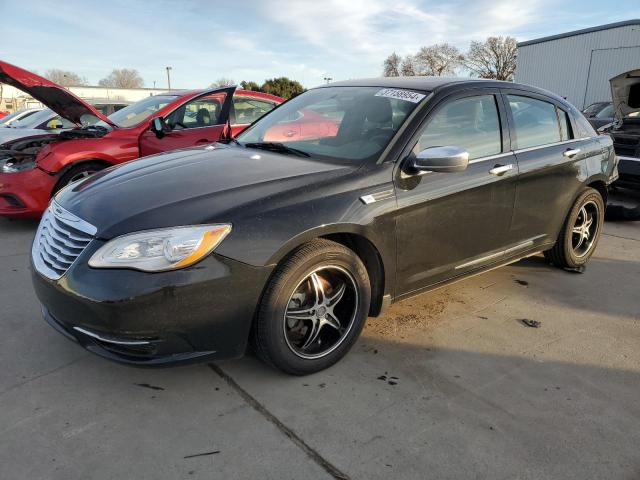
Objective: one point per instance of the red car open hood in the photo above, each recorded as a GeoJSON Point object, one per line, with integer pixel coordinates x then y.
{"type": "Point", "coordinates": [54, 96]}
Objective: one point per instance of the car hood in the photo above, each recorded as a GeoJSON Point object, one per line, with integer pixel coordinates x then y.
{"type": "Point", "coordinates": [191, 186]}
{"type": "Point", "coordinates": [8, 134]}
{"type": "Point", "coordinates": [625, 93]}
{"type": "Point", "coordinates": [54, 96]}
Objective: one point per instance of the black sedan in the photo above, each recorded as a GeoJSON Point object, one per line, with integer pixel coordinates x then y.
{"type": "Point", "coordinates": [400, 185]}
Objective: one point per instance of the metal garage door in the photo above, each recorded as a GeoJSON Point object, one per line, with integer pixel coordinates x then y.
{"type": "Point", "coordinates": [606, 64]}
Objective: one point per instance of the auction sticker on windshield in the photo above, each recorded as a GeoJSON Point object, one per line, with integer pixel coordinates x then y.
{"type": "Point", "coordinates": [406, 95]}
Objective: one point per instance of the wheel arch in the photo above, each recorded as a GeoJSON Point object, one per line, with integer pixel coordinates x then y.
{"type": "Point", "coordinates": [356, 238]}
{"type": "Point", "coordinates": [60, 173]}
{"type": "Point", "coordinates": [370, 256]}
{"type": "Point", "coordinates": [601, 186]}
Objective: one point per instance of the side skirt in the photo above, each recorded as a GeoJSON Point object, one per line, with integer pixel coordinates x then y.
{"type": "Point", "coordinates": [479, 271]}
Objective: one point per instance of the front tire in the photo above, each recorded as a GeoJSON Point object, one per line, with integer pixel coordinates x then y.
{"type": "Point", "coordinates": [580, 233]}
{"type": "Point", "coordinates": [78, 172]}
{"type": "Point", "coordinates": [313, 309]}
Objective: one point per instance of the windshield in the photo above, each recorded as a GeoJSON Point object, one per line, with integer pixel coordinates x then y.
{"type": "Point", "coordinates": [606, 112]}
{"type": "Point", "coordinates": [32, 121]}
{"type": "Point", "coordinates": [139, 111]}
{"type": "Point", "coordinates": [351, 124]}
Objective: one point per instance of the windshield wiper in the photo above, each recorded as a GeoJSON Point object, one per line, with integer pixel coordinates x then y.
{"type": "Point", "coordinates": [276, 147]}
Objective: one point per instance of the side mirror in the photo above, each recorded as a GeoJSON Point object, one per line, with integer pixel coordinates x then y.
{"type": "Point", "coordinates": [440, 159]}
{"type": "Point", "coordinates": [159, 127]}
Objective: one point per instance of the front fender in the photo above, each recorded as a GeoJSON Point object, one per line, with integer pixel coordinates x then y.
{"type": "Point", "coordinates": [56, 156]}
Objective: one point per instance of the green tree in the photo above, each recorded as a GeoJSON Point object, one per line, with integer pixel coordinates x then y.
{"type": "Point", "coordinates": [282, 87]}
{"type": "Point", "coordinates": [253, 86]}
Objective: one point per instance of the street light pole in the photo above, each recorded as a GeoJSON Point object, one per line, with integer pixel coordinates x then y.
{"type": "Point", "coordinates": [328, 79]}
{"type": "Point", "coordinates": [168, 78]}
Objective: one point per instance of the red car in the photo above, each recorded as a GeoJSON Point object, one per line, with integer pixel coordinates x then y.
{"type": "Point", "coordinates": [33, 169]}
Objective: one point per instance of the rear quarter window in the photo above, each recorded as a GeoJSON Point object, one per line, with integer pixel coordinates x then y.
{"type": "Point", "coordinates": [535, 121]}
{"type": "Point", "coordinates": [583, 127]}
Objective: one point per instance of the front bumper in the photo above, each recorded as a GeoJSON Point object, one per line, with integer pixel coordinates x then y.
{"type": "Point", "coordinates": [199, 313]}
{"type": "Point", "coordinates": [25, 194]}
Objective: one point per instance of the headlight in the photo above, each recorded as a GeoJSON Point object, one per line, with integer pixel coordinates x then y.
{"type": "Point", "coordinates": [12, 165]}
{"type": "Point", "coordinates": [160, 250]}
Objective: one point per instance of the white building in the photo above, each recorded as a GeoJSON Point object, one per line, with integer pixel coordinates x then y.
{"type": "Point", "coordinates": [578, 65]}
{"type": "Point", "coordinates": [14, 99]}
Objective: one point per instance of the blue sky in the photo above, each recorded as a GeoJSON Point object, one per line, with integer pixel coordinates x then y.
{"type": "Point", "coordinates": [254, 40]}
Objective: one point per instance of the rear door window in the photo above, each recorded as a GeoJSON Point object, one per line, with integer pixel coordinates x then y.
{"type": "Point", "coordinates": [535, 121]}
{"type": "Point", "coordinates": [248, 109]}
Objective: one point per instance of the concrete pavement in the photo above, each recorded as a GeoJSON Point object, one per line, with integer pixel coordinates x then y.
{"type": "Point", "coordinates": [449, 384]}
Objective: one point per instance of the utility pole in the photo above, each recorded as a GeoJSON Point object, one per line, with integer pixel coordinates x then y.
{"type": "Point", "coordinates": [154, 84]}
{"type": "Point", "coordinates": [328, 79]}
{"type": "Point", "coordinates": [169, 78]}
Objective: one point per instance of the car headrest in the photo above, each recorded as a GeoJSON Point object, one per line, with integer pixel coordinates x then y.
{"type": "Point", "coordinates": [378, 110]}
{"type": "Point", "coordinates": [203, 117]}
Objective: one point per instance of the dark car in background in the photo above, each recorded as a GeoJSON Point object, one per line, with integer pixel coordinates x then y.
{"type": "Point", "coordinates": [604, 117]}
{"type": "Point", "coordinates": [625, 126]}
{"type": "Point", "coordinates": [593, 109]}
{"type": "Point", "coordinates": [290, 245]}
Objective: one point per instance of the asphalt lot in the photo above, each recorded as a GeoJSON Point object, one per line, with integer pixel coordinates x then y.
{"type": "Point", "coordinates": [449, 384]}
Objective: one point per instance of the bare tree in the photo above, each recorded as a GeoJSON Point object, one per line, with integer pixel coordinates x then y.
{"type": "Point", "coordinates": [122, 78]}
{"type": "Point", "coordinates": [407, 67]}
{"type": "Point", "coordinates": [494, 58]}
{"type": "Point", "coordinates": [65, 77]}
{"type": "Point", "coordinates": [391, 65]}
{"type": "Point", "coordinates": [223, 82]}
{"type": "Point", "coordinates": [438, 60]}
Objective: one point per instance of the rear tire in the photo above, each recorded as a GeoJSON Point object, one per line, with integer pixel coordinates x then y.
{"type": "Point", "coordinates": [78, 172]}
{"type": "Point", "coordinates": [296, 328]}
{"type": "Point", "coordinates": [580, 233]}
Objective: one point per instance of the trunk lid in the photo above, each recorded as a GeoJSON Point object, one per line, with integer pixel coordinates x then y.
{"type": "Point", "coordinates": [625, 93]}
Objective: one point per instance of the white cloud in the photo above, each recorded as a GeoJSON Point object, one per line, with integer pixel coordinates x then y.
{"type": "Point", "coordinates": [257, 39]}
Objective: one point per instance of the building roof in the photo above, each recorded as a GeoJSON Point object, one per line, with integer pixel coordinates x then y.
{"type": "Point", "coordinates": [599, 28]}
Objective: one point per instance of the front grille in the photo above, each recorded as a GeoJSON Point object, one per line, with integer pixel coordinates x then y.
{"type": "Point", "coordinates": [60, 239]}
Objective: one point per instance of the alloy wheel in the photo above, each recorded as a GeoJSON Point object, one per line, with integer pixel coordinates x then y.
{"type": "Point", "coordinates": [585, 229]}
{"type": "Point", "coordinates": [320, 312]}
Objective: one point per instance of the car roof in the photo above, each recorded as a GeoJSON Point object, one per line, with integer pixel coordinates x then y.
{"type": "Point", "coordinates": [429, 84]}
{"type": "Point", "coordinates": [109, 101]}
{"type": "Point", "coordinates": [239, 91]}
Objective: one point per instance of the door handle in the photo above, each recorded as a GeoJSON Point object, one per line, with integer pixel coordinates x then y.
{"type": "Point", "coordinates": [501, 169]}
{"type": "Point", "coordinates": [572, 152]}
